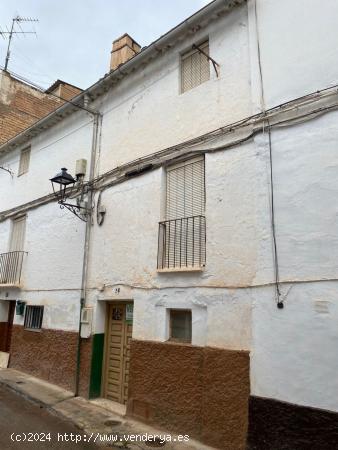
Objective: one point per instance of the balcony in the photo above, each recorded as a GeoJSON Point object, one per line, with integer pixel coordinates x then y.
{"type": "Point", "coordinates": [10, 268]}
{"type": "Point", "coordinates": [181, 244]}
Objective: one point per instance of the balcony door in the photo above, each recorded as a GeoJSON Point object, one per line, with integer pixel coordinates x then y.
{"type": "Point", "coordinates": [182, 235]}
{"type": "Point", "coordinates": [11, 262]}
{"type": "Point", "coordinates": [18, 234]}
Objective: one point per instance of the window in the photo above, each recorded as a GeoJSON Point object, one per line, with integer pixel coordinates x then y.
{"type": "Point", "coordinates": [180, 325]}
{"type": "Point", "coordinates": [185, 196]}
{"type": "Point", "coordinates": [24, 161]}
{"type": "Point", "coordinates": [18, 234]}
{"type": "Point", "coordinates": [195, 67]}
{"type": "Point", "coordinates": [182, 234]}
{"type": "Point", "coordinates": [33, 317]}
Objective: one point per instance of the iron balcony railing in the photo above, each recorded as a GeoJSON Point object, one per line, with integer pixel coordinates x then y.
{"type": "Point", "coordinates": [10, 268]}
{"type": "Point", "coordinates": [181, 243]}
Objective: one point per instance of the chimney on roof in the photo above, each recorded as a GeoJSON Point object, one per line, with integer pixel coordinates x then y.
{"type": "Point", "coordinates": [124, 48]}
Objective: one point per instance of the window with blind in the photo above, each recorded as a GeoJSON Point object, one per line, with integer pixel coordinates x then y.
{"type": "Point", "coordinates": [18, 234]}
{"type": "Point", "coordinates": [182, 234]}
{"type": "Point", "coordinates": [33, 317]}
{"type": "Point", "coordinates": [24, 161]}
{"type": "Point", "coordinates": [195, 67]}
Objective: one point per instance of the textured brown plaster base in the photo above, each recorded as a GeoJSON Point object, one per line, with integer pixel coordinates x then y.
{"type": "Point", "coordinates": [276, 425]}
{"type": "Point", "coordinates": [85, 367]}
{"type": "Point", "coordinates": [51, 355]}
{"type": "Point", "coordinates": [3, 336]}
{"type": "Point", "coordinates": [199, 391]}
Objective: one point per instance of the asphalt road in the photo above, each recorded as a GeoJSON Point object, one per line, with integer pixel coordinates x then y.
{"type": "Point", "coordinates": [24, 425]}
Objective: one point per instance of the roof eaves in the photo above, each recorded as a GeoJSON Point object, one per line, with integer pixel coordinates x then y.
{"type": "Point", "coordinates": [167, 40]}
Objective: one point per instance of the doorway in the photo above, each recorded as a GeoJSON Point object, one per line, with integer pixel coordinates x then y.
{"type": "Point", "coordinates": [6, 328]}
{"type": "Point", "coordinates": [117, 351]}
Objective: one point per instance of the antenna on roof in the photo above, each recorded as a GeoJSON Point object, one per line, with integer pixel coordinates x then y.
{"type": "Point", "coordinates": [15, 21]}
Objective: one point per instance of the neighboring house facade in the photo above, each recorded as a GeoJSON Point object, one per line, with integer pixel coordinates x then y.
{"type": "Point", "coordinates": [22, 104]}
{"type": "Point", "coordinates": [205, 281]}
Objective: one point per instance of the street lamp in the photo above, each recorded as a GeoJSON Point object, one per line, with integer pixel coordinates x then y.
{"type": "Point", "coordinates": [63, 186]}
{"type": "Point", "coordinates": [62, 179]}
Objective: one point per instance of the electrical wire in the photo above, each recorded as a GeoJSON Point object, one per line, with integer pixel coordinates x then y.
{"type": "Point", "coordinates": [42, 90]}
{"type": "Point", "coordinates": [273, 225]}
{"type": "Point", "coordinates": [272, 202]}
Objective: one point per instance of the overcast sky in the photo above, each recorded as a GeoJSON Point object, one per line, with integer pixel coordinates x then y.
{"type": "Point", "coordinates": [74, 37]}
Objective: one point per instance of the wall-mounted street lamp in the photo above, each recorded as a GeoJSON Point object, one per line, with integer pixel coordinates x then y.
{"type": "Point", "coordinates": [66, 187]}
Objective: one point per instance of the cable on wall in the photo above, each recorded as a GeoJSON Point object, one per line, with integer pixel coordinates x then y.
{"type": "Point", "coordinates": [279, 302]}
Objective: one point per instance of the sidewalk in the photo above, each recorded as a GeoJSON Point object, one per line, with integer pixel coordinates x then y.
{"type": "Point", "coordinates": [94, 417]}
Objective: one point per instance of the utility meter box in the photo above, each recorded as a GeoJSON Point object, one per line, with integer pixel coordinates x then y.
{"type": "Point", "coordinates": [86, 322]}
{"type": "Point", "coordinates": [20, 307]}
{"type": "Point", "coordinates": [80, 168]}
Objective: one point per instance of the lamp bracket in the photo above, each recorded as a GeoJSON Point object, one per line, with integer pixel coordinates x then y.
{"type": "Point", "coordinates": [76, 210]}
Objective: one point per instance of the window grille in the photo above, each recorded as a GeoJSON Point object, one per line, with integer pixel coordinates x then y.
{"type": "Point", "coordinates": [24, 161]}
{"type": "Point", "coordinates": [33, 317]}
{"type": "Point", "coordinates": [195, 67]}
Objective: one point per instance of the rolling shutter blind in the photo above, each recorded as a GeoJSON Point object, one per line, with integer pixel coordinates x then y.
{"type": "Point", "coordinates": [185, 190]}
{"type": "Point", "coordinates": [24, 161]}
{"type": "Point", "coordinates": [18, 234]}
{"type": "Point", "coordinates": [195, 68]}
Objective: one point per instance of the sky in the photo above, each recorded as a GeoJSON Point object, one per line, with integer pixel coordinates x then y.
{"type": "Point", "coordinates": [74, 37]}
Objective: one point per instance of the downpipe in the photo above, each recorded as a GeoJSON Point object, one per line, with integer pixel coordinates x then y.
{"type": "Point", "coordinates": [96, 125]}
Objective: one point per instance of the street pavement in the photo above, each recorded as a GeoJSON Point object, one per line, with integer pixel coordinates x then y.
{"type": "Point", "coordinates": [25, 425]}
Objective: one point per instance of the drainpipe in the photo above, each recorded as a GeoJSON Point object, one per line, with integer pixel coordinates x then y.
{"type": "Point", "coordinates": [96, 124]}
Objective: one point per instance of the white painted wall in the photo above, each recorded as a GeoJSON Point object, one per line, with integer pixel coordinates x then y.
{"type": "Point", "coordinates": [294, 353]}
{"type": "Point", "coordinates": [57, 147]}
{"type": "Point", "coordinates": [124, 249]}
{"type": "Point", "coordinates": [297, 45]}
{"type": "Point", "coordinates": [52, 268]}
{"type": "Point", "coordinates": [145, 112]}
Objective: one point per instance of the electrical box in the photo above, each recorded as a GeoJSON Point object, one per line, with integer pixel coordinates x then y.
{"type": "Point", "coordinates": [80, 168]}
{"type": "Point", "coordinates": [20, 307]}
{"type": "Point", "coordinates": [86, 322]}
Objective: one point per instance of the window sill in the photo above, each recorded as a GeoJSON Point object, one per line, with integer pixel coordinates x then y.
{"type": "Point", "coordinates": [35, 330]}
{"type": "Point", "coordinates": [182, 269]}
{"type": "Point", "coordinates": [178, 342]}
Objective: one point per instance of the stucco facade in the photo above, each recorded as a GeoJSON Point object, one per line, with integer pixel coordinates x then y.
{"type": "Point", "coordinates": [271, 210]}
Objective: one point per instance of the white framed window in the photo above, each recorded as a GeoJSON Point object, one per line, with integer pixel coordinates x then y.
{"type": "Point", "coordinates": [33, 317]}
{"type": "Point", "coordinates": [25, 155]}
{"type": "Point", "coordinates": [182, 236]}
{"type": "Point", "coordinates": [195, 67]}
{"type": "Point", "coordinates": [180, 325]}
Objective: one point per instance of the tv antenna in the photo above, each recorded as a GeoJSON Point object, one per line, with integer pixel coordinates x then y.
{"type": "Point", "coordinates": [9, 33]}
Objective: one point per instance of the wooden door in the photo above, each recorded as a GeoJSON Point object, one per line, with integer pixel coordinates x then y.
{"type": "Point", "coordinates": [117, 355]}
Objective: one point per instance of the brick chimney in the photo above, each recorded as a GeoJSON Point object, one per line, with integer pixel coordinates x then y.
{"type": "Point", "coordinates": [124, 48]}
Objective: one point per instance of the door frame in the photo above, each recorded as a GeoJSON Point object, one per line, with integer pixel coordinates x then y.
{"type": "Point", "coordinates": [10, 322]}
{"type": "Point", "coordinates": [108, 304]}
